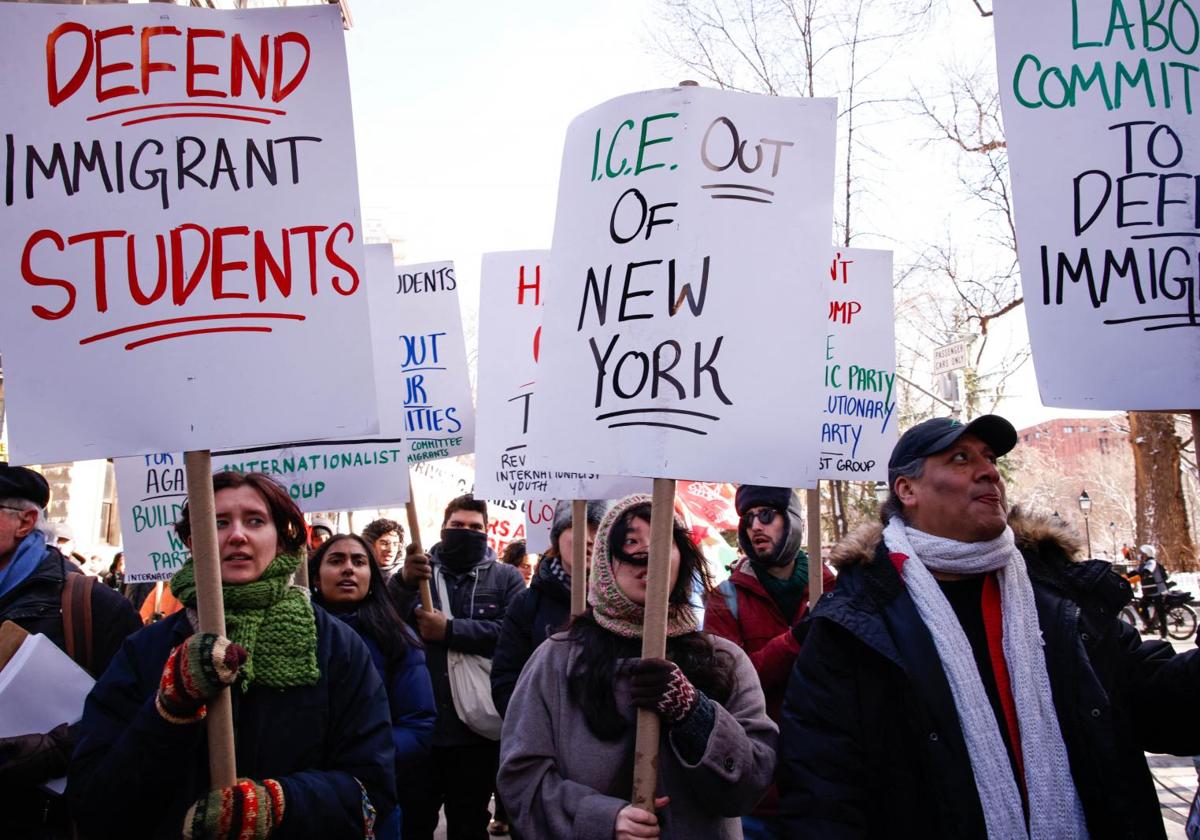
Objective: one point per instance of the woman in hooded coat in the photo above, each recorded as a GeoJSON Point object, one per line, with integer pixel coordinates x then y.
{"type": "Point", "coordinates": [567, 747]}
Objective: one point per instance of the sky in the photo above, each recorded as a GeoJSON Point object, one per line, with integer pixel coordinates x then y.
{"type": "Point", "coordinates": [460, 114]}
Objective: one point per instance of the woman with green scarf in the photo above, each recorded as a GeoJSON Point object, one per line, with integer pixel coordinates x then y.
{"type": "Point", "coordinates": [311, 721]}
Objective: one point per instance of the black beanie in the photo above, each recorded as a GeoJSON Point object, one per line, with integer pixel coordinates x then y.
{"type": "Point", "coordinates": [562, 517]}
{"type": "Point", "coordinates": [757, 495]}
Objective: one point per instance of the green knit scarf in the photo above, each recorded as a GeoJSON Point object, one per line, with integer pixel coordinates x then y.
{"type": "Point", "coordinates": [271, 619]}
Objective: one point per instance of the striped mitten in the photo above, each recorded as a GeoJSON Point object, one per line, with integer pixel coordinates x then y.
{"type": "Point", "coordinates": [197, 669]}
{"type": "Point", "coordinates": [659, 684]}
{"type": "Point", "coordinates": [249, 810]}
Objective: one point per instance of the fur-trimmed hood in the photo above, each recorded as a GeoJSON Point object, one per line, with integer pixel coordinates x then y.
{"type": "Point", "coordinates": [1034, 533]}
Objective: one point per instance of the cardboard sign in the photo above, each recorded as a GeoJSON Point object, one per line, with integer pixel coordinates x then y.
{"type": "Point", "coordinates": [319, 476]}
{"type": "Point", "coordinates": [712, 501]}
{"type": "Point", "coordinates": [180, 236]}
{"type": "Point", "coordinates": [507, 463]}
{"type": "Point", "coordinates": [420, 356]}
{"type": "Point", "coordinates": [1099, 113]}
{"type": "Point", "coordinates": [676, 333]}
{"type": "Point", "coordinates": [858, 422]}
{"type": "Point", "coordinates": [506, 524]}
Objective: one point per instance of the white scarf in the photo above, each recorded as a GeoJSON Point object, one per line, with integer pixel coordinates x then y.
{"type": "Point", "coordinates": [1054, 807]}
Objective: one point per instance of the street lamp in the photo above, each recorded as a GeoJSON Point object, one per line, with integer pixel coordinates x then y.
{"type": "Point", "coordinates": [1112, 527]}
{"type": "Point", "coordinates": [1085, 505]}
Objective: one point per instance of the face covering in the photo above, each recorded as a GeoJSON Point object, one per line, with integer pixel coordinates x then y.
{"type": "Point", "coordinates": [462, 548]}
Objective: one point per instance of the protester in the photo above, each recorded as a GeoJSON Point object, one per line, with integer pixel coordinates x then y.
{"type": "Point", "coordinates": [460, 633]}
{"type": "Point", "coordinates": [311, 723]}
{"type": "Point", "coordinates": [967, 679]}
{"type": "Point", "coordinates": [516, 555]}
{"type": "Point", "coordinates": [1154, 590]}
{"type": "Point", "coordinates": [545, 607]}
{"type": "Point", "coordinates": [115, 577]}
{"type": "Point", "coordinates": [346, 581]}
{"type": "Point", "coordinates": [63, 538]}
{"type": "Point", "coordinates": [764, 597]}
{"type": "Point", "coordinates": [386, 538]}
{"type": "Point", "coordinates": [568, 745]}
{"type": "Point", "coordinates": [319, 532]}
{"type": "Point", "coordinates": [160, 603]}
{"type": "Point", "coordinates": [32, 579]}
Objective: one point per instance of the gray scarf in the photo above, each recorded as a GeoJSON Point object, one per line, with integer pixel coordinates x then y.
{"type": "Point", "coordinates": [1055, 812]}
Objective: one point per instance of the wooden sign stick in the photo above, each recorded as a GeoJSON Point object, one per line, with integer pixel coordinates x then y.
{"type": "Point", "coordinates": [816, 569]}
{"type": "Point", "coordinates": [654, 638]}
{"type": "Point", "coordinates": [579, 577]}
{"type": "Point", "coordinates": [414, 530]}
{"type": "Point", "coordinates": [206, 559]}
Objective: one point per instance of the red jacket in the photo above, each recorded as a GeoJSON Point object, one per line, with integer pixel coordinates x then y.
{"type": "Point", "coordinates": [741, 610]}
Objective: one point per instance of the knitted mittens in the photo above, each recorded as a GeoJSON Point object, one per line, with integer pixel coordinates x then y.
{"type": "Point", "coordinates": [249, 810]}
{"type": "Point", "coordinates": [197, 669]}
{"type": "Point", "coordinates": [659, 684]}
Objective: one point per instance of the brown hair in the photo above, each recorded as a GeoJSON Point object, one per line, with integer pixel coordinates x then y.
{"type": "Point", "coordinates": [289, 522]}
{"type": "Point", "coordinates": [465, 502]}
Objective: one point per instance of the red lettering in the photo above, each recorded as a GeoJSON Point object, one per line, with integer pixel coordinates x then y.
{"type": "Point", "coordinates": [97, 238]}
{"type": "Point", "coordinates": [194, 69]}
{"type": "Point", "coordinates": [537, 343]}
{"type": "Point", "coordinates": [335, 259]}
{"type": "Point", "coordinates": [279, 90]}
{"type": "Point", "coordinates": [135, 289]}
{"type": "Point", "coordinates": [310, 233]}
{"type": "Point", "coordinates": [264, 262]}
{"type": "Point", "coordinates": [103, 69]}
{"type": "Point", "coordinates": [240, 58]}
{"type": "Point", "coordinates": [181, 291]}
{"type": "Point", "coordinates": [536, 286]}
{"type": "Point", "coordinates": [220, 266]}
{"type": "Point", "coordinates": [54, 94]}
{"type": "Point", "coordinates": [33, 279]}
{"type": "Point", "coordinates": [149, 66]}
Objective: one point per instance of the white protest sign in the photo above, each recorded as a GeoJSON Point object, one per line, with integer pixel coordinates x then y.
{"type": "Point", "coordinates": [858, 425]}
{"type": "Point", "coordinates": [180, 236]}
{"type": "Point", "coordinates": [1103, 147]}
{"type": "Point", "coordinates": [951, 357]}
{"type": "Point", "coordinates": [420, 356]}
{"type": "Point", "coordinates": [318, 475]}
{"type": "Point", "coordinates": [506, 524]}
{"type": "Point", "coordinates": [151, 491]}
{"type": "Point", "coordinates": [507, 466]}
{"type": "Point", "coordinates": [677, 339]}
{"type": "Point", "coordinates": [539, 519]}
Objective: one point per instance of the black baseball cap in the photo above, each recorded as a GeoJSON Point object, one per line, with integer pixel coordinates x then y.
{"type": "Point", "coordinates": [934, 435]}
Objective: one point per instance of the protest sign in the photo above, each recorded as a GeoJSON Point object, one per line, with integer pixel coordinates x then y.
{"type": "Point", "coordinates": [318, 475]}
{"type": "Point", "coordinates": [180, 235]}
{"type": "Point", "coordinates": [507, 463]}
{"type": "Point", "coordinates": [712, 501]}
{"type": "Point", "coordinates": [420, 356]}
{"type": "Point", "coordinates": [1102, 143]}
{"type": "Point", "coordinates": [539, 519]}
{"type": "Point", "coordinates": [677, 339]}
{"type": "Point", "coordinates": [858, 424]}
{"type": "Point", "coordinates": [506, 523]}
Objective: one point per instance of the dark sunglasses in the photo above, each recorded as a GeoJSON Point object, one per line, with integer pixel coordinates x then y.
{"type": "Point", "coordinates": [764, 515]}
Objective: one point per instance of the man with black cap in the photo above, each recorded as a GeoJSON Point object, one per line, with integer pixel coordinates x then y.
{"type": "Point", "coordinates": [968, 677]}
{"type": "Point", "coordinates": [32, 578]}
{"type": "Point", "coordinates": [764, 597]}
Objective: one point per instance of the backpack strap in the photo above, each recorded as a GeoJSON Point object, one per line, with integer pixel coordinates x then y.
{"type": "Point", "coordinates": [77, 619]}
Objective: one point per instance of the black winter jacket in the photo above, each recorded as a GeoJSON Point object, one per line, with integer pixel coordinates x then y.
{"type": "Point", "coordinates": [134, 775]}
{"type": "Point", "coordinates": [540, 611]}
{"type": "Point", "coordinates": [36, 605]}
{"type": "Point", "coordinates": [479, 599]}
{"type": "Point", "coordinates": [870, 741]}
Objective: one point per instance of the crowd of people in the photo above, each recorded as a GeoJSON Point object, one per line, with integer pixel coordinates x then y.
{"type": "Point", "coordinates": [964, 675]}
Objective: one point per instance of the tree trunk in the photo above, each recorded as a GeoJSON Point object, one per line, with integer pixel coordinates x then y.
{"type": "Point", "coordinates": [1162, 519]}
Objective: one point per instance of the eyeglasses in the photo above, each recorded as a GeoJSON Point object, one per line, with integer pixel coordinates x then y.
{"type": "Point", "coordinates": [764, 515]}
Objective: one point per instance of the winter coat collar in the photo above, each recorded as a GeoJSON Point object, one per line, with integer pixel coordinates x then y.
{"type": "Point", "coordinates": [548, 585]}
